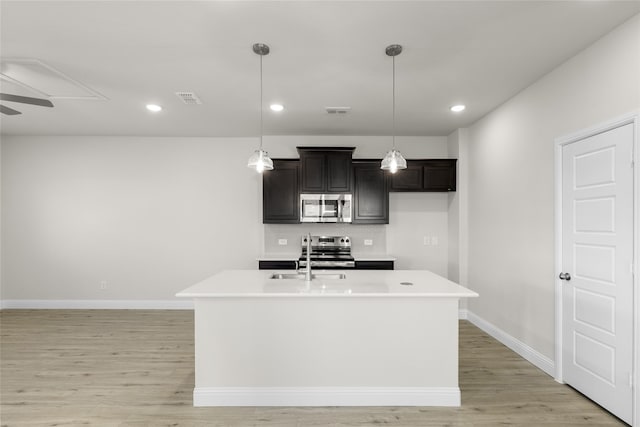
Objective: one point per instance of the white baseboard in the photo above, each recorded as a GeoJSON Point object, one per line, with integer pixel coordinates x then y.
{"type": "Point", "coordinates": [98, 304]}
{"type": "Point", "coordinates": [326, 396]}
{"type": "Point", "coordinates": [536, 358]}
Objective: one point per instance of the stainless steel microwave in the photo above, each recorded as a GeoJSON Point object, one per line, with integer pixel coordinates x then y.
{"type": "Point", "coordinates": [325, 208]}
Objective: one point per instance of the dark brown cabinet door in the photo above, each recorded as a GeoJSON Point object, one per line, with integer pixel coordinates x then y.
{"type": "Point", "coordinates": [325, 169]}
{"type": "Point", "coordinates": [374, 265]}
{"type": "Point", "coordinates": [371, 197]}
{"type": "Point", "coordinates": [439, 175]}
{"type": "Point", "coordinates": [409, 179]}
{"type": "Point", "coordinates": [425, 175]}
{"type": "Point", "coordinates": [280, 203]}
{"type": "Point", "coordinates": [313, 167]}
{"type": "Point", "coordinates": [278, 265]}
{"type": "Point", "coordinates": [339, 172]}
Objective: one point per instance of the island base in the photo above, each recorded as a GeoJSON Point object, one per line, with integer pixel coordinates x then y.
{"type": "Point", "coordinates": [354, 351]}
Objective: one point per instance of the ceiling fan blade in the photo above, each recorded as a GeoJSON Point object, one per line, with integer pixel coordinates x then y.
{"type": "Point", "coordinates": [8, 111]}
{"type": "Point", "coordinates": [26, 100]}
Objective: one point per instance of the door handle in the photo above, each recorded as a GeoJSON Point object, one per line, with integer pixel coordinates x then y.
{"type": "Point", "coordinates": [565, 276]}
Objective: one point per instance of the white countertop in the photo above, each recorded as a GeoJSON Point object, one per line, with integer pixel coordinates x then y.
{"type": "Point", "coordinates": [369, 283]}
{"type": "Point", "coordinates": [279, 257]}
{"type": "Point", "coordinates": [372, 257]}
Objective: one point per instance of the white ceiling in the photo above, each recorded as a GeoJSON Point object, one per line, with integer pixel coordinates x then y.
{"type": "Point", "coordinates": [323, 53]}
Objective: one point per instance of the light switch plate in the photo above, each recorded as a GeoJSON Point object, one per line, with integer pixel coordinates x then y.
{"type": "Point", "coordinates": [282, 242]}
{"type": "Point", "coordinates": [426, 241]}
{"type": "Point", "coordinates": [368, 242]}
{"type": "Point", "coordinates": [434, 240]}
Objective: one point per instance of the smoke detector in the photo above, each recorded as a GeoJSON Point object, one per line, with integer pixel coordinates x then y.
{"type": "Point", "coordinates": [337, 110]}
{"type": "Point", "coordinates": [189, 98]}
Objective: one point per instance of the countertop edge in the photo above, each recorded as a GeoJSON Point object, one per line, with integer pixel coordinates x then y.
{"type": "Point", "coordinates": [328, 295]}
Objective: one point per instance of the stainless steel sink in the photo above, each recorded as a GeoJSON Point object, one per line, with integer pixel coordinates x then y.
{"type": "Point", "coordinates": [330, 276]}
{"type": "Point", "coordinates": [299, 276]}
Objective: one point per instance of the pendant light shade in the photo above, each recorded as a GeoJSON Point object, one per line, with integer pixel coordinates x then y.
{"type": "Point", "coordinates": [393, 160]}
{"type": "Point", "coordinates": [260, 160]}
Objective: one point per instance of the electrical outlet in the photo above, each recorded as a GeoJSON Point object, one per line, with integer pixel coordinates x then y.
{"type": "Point", "coordinates": [103, 285]}
{"type": "Point", "coordinates": [368, 242]}
{"type": "Point", "coordinates": [434, 240]}
{"type": "Point", "coordinates": [282, 242]}
{"type": "Point", "coordinates": [426, 241]}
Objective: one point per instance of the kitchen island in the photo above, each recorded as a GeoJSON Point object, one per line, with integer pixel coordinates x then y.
{"type": "Point", "coordinates": [373, 338]}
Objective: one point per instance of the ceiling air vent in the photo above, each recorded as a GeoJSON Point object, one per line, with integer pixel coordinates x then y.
{"type": "Point", "coordinates": [337, 110]}
{"type": "Point", "coordinates": [189, 98]}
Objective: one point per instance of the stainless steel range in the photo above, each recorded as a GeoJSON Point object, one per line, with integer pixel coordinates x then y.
{"type": "Point", "coordinates": [328, 252]}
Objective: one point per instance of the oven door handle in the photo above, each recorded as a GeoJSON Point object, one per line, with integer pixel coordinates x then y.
{"type": "Point", "coordinates": [343, 264]}
{"type": "Point", "coordinates": [320, 264]}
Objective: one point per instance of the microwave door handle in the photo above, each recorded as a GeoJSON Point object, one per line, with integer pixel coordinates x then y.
{"type": "Point", "coordinates": [340, 206]}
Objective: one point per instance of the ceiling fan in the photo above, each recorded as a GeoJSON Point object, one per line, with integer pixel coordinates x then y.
{"type": "Point", "coordinates": [22, 99]}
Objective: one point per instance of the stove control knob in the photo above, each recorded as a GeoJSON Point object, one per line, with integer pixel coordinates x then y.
{"type": "Point", "coordinates": [347, 240]}
{"type": "Point", "coordinates": [341, 240]}
{"type": "Point", "coordinates": [305, 239]}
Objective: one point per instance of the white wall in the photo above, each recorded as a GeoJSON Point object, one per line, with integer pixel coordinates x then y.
{"type": "Point", "coordinates": [511, 181]}
{"type": "Point", "coordinates": [458, 148]}
{"type": "Point", "coordinates": [458, 227]}
{"type": "Point", "coordinates": [453, 269]}
{"type": "Point", "coordinates": [149, 216]}
{"type": "Point", "coordinates": [412, 217]}
{"type": "Point", "coordinates": [293, 232]}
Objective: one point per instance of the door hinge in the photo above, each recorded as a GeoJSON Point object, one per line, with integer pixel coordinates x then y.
{"type": "Point", "coordinates": [631, 379]}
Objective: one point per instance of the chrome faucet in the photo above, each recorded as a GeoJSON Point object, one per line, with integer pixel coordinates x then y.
{"type": "Point", "coordinates": [307, 271]}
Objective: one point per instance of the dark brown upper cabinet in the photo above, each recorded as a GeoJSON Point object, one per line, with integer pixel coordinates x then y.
{"type": "Point", "coordinates": [325, 169]}
{"type": "Point", "coordinates": [425, 175]}
{"type": "Point", "coordinates": [280, 204]}
{"type": "Point", "coordinates": [439, 175]}
{"type": "Point", "coordinates": [371, 195]}
{"type": "Point", "coordinates": [409, 179]}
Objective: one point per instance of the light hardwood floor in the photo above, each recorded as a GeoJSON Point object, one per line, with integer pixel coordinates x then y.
{"type": "Point", "coordinates": [135, 368]}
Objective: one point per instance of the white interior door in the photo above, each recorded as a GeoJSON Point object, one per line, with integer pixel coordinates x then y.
{"type": "Point", "coordinates": [597, 277]}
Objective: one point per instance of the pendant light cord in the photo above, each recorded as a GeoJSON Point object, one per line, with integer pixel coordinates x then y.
{"type": "Point", "coordinates": [261, 127]}
{"type": "Point", "coordinates": [394, 102]}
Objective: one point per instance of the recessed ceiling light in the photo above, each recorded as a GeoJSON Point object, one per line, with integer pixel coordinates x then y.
{"type": "Point", "coordinates": [458, 108]}
{"type": "Point", "coordinates": [154, 107]}
{"type": "Point", "coordinates": [276, 107]}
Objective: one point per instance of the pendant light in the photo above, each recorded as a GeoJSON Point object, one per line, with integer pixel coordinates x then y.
{"type": "Point", "coordinates": [260, 160]}
{"type": "Point", "coordinates": [393, 160]}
